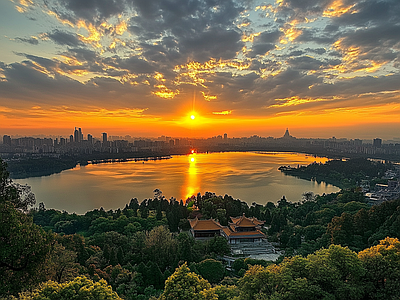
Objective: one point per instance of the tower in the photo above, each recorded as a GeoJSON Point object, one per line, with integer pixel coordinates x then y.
{"type": "Point", "coordinates": [104, 134]}
{"type": "Point", "coordinates": [287, 134]}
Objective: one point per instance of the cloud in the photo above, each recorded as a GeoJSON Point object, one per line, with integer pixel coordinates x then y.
{"type": "Point", "coordinates": [153, 54]}
{"type": "Point", "coordinates": [32, 40]}
{"type": "Point", "coordinates": [64, 38]}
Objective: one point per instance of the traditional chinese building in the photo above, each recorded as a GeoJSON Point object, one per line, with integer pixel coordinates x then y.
{"type": "Point", "coordinates": [244, 229]}
{"type": "Point", "coordinates": [241, 229]}
{"type": "Point", "coordinates": [204, 229]}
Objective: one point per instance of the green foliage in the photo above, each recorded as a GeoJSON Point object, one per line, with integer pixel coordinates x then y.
{"type": "Point", "coordinates": [219, 245]}
{"type": "Point", "coordinates": [382, 263]}
{"type": "Point", "coordinates": [24, 246]}
{"type": "Point", "coordinates": [226, 292]}
{"type": "Point", "coordinates": [344, 174]}
{"type": "Point", "coordinates": [161, 247]}
{"type": "Point", "coordinates": [79, 288]}
{"type": "Point", "coordinates": [332, 273]}
{"type": "Point", "coordinates": [184, 284]}
{"type": "Point", "coordinates": [366, 227]}
{"type": "Point", "coordinates": [185, 245]}
{"type": "Point", "coordinates": [211, 270]}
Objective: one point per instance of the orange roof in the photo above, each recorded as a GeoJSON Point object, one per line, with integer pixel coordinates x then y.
{"type": "Point", "coordinates": [242, 221]}
{"type": "Point", "coordinates": [211, 224]}
{"type": "Point", "coordinates": [244, 234]}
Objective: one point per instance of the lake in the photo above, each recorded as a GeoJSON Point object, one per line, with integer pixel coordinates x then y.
{"type": "Point", "coordinates": [248, 176]}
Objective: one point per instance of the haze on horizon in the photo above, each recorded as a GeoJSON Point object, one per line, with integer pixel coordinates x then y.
{"type": "Point", "coordinates": [321, 68]}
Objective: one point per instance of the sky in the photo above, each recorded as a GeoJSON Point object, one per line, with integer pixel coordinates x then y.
{"type": "Point", "coordinates": [321, 68]}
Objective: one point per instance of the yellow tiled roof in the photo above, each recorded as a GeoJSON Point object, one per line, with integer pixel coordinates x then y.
{"type": "Point", "coordinates": [211, 224]}
{"type": "Point", "coordinates": [242, 221]}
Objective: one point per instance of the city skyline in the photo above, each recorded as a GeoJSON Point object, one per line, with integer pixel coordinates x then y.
{"type": "Point", "coordinates": [322, 68]}
{"type": "Point", "coordinates": [77, 135]}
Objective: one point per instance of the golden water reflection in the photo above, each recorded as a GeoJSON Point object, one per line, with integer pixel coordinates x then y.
{"type": "Point", "coordinates": [192, 180]}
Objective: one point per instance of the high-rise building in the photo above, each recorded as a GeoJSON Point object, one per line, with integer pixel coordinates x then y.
{"type": "Point", "coordinates": [104, 134]}
{"type": "Point", "coordinates": [377, 143]}
{"type": "Point", "coordinates": [71, 138]}
{"type": "Point", "coordinates": [90, 138]}
{"type": "Point", "coordinates": [7, 140]}
{"type": "Point", "coordinates": [225, 136]}
{"type": "Point", "coordinates": [78, 136]}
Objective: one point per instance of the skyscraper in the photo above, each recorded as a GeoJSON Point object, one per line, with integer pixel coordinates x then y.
{"type": "Point", "coordinates": [377, 143]}
{"type": "Point", "coordinates": [78, 136]}
{"type": "Point", "coordinates": [7, 140]}
{"type": "Point", "coordinates": [104, 138]}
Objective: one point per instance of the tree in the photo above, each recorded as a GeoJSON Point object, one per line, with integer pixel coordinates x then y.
{"type": "Point", "coordinates": [19, 195]}
{"type": "Point", "coordinates": [382, 263]}
{"type": "Point", "coordinates": [226, 292]}
{"type": "Point", "coordinates": [219, 245]}
{"type": "Point", "coordinates": [24, 247]}
{"type": "Point", "coordinates": [185, 244]}
{"type": "Point", "coordinates": [79, 288]}
{"type": "Point", "coordinates": [160, 247]}
{"type": "Point", "coordinates": [184, 284]}
{"type": "Point", "coordinates": [337, 270]}
{"type": "Point", "coordinates": [61, 265]}
{"type": "Point", "coordinates": [211, 269]}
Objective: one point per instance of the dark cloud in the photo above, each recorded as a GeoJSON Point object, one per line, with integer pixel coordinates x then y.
{"type": "Point", "coordinates": [356, 86]}
{"type": "Point", "coordinates": [214, 43]}
{"type": "Point", "coordinates": [305, 63]}
{"type": "Point", "coordinates": [296, 53]}
{"type": "Point", "coordinates": [49, 64]}
{"type": "Point", "coordinates": [64, 38]}
{"type": "Point", "coordinates": [319, 51]}
{"type": "Point", "coordinates": [268, 37]}
{"type": "Point", "coordinates": [264, 43]}
{"type": "Point", "coordinates": [93, 11]}
{"type": "Point", "coordinates": [260, 49]}
{"type": "Point", "coordinates": [31, 40]}
{"type": "Point", "coordinates": [330, 28]}
{"type": "Point", "coordinates": [134, 65]}
{"type": "Point", "coordinates": [386, 35]}
{"type": "Point", "coordinates": [316, 36]}
{"type": "Point", "coordinates": [371, 13]}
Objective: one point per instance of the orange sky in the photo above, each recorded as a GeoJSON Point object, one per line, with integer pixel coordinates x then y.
{"type": "Point", "coordinates": [322, 69]}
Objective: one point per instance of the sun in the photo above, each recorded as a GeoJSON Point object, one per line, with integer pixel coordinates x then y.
{"type": "Point", "coordinates": [193, 117]}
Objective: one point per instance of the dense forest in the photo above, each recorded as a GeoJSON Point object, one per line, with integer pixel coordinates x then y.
{"type": "Point", "coordinates": [342, 173]}
{"type": "Point", "coordinates": [336, 247]}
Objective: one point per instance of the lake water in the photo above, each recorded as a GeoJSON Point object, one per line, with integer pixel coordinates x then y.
{"type": "Point", "coordinates": [248, 176]}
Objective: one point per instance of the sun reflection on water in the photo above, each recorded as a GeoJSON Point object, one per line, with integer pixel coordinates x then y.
{"type": "Point", "coordinates": [192, 181]}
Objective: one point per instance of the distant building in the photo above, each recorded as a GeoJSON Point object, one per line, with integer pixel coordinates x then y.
{"type": "Point", "coordinates": [287, 135]}
{"type": "Point", "coordinates": [78, 136]}
{"type": "Point", "coordinates": [7, 140]}
{"type": "Point", "coordinates": [90, 138]}
{"type": "Point", "coordinates": [104, 134]}
{"type": "Point", "coordinates": [225, 136]}
{"type": "Point", "coordinates": [377, 143]}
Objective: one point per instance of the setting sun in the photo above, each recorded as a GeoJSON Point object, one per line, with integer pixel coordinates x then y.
{"type": "Point", "coordinates": [192, 117]}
